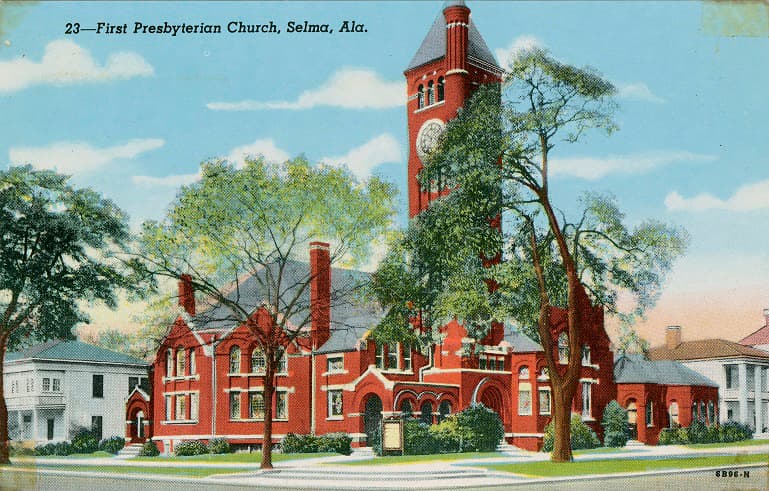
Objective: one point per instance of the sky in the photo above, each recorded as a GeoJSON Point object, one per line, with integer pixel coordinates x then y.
{"type": "Point", "coordinates": [133, 114]}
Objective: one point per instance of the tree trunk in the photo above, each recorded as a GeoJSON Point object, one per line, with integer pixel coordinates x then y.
{"type": "Point", "coordinates": [4, 443]}
{"type": "Point", "coordinates": [563, 396]}
{"type": "Point", "coordinates": [269, 391]}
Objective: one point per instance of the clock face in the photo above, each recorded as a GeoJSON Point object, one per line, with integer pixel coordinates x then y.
{"type": "Point", "coordinates": [428, 136]}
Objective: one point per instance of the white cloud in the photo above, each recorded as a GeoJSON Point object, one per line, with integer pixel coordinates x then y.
{"type": "Point", "coordinates": [592, 168]}
{"type": "Point", "coordinates": [349, 88]}
{"type": "Point", "coordinates": [362, 160]}
{"type": "Point", "coordinates": [754, 196]}
{"type": "Point", "coordinates": [65, 62]}
{"type": "Point", "coordinates": [519, 45]}
{"type": "Point", "coordinates": [265, 147]}
{"type": "Point", "coordinates": [175, 180]}
{"type": "Point", "coordinates": [79, 157]}
{"type": "Point", "coordinates": [637, 91]}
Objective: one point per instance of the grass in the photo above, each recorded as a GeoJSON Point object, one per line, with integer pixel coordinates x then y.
{"type": "Point", "coordinates": [237, 458]}
{"type": "Point", "coordinates": [128, 469]}
{"type": "Point", "coordinates": [600, 450]}
{"type": "Point", "coordinates": [742, 443]}
{"type": "Point", "coordinates": [410, 459]}
{"type": "Point", "coordinates": [614, 466]}
{"type": "Point", "coordinates": [99, 454]}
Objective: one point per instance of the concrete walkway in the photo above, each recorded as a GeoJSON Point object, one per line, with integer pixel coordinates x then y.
{"type": "Point", "coordinates": [328, 473]}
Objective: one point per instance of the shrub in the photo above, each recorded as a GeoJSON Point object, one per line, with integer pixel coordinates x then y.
{"type": "Point", "coordinates": [84, 441]}
{"type": "Point", "coordinates": [112, 444]}
{"type": "Point", "coordinates": [149, 449]}
{"type": "Point", "coordinates": [615, 425]}
{"type": "Point", "coordinates": [482, 428]}
{"type": "Point", "coordinates": [219, 446]}
{"type": "Point", "coordinates": [59, 448]}
{"type": "Point", "coordinates": [192, 447]}
{"type": "Point", "coordinates": [417, 439]}
{"type": "Point", "coordinates": [698, 432]}
{"type": "Point", "coordinates": [18, 450]}
{"type": "Point", "coordinates": [449, 435]}
{"type": "Point", "coordinates": [331, 442]}
{"type": "Point", "coordinates": [732, 431]}
{"type": "Point", "coordinates": [581, 435]}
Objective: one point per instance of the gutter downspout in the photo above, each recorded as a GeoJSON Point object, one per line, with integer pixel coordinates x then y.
{"type": "Point", "coordinates": [429, 364]}
{"type": "Point", "coordinates": [214, 343]}
{"type": "Point", "coordinates": [313, 389]}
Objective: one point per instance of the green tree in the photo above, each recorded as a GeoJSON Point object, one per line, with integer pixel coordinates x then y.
{"type": "Point", "coordinates": [59, 247]}
{"type": "Point", "coordinates": [254, 223]}
{"type": "Point", "coordinates": [495, 157]}
{"type": "Point", "coordinates": [615, 425]}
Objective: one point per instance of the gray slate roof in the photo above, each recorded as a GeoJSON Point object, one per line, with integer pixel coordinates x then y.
{"type": "Point", "coordinates": [351, 315]}
{"type": "Point", "coordinates": [434, 45]}
{"type": "Point", "coordinates": [73, 351]}
{"type": "Point", "coordinates": [521, 343]}
{"type": "Point", "coordinates": [634, 369]}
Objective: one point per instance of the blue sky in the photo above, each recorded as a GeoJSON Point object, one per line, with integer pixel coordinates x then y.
{"type": "Point", "coordinates": [133, 115]}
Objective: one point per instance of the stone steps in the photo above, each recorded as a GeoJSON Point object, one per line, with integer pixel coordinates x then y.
{"type": "Point", "coordinates": [130, 451]}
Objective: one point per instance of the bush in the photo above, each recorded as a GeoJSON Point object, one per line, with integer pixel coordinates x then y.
{"type": "Point", "coordinates": [112, 444]}
{"type": "Point", "coordinates": [149, 449]}
{"type": "Point", "coordinates": [449, 435]}
{"type": "Point", "coordinates": [331, 442]}
{"type": "Point", "coordinates": [219, 446]}
{"type": "Point", "coordinates": [84, 441]}
{"type": "Point", "coordinates": [615, 425]}
{"type": "Point", "coordinates": [698, 432]}
{"type": "Point", "coordinates": [59, 448]}
{"type": "Point", "coordinates": [481, 428]}
{"type": "Point", "coordinates": [731, 431]}
{"type": "Point", "coordinates": [192, 447]}
{"type": "Point", "coordinates": [19, 450]}
{"type": "Point", "coordinates": [418, 440]}
{"type": "Point", "coordinates": [581, 435]}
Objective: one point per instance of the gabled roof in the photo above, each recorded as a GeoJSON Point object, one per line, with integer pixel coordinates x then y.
{"type": "Point", "coordinates": [634, 369]}
{"type": "Point", "coordinates": [73, 351]}
{"type": "Point", "coordinates": [520, 342]}
{"type": "Point", "coordinates": [706, 348]}
{"type": "Point", "coordinates": [351, 315]}
{"type": "Point", "coordinates": [757, 337]}
{"type": "Point", "coordinates": [433, 46]}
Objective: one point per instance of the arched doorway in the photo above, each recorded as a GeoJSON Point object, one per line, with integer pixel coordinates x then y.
{"type": "Point", "coordinates": [632, 419]}
{"type": "Point", "coordinates": [444, 409]}
{"type": "Point", "coordinates": [492, 399]}
{"type": "Point", "coordinates": [372, 417]}
{"type": "Point", "coordinates": [136, 427]}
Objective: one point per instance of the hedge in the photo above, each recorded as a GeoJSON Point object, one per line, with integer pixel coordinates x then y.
{"type": "Point", "coordinates": [581, 435]}
{"type": "Point", "coordinates": [219, 446]}
{"type": "Point", "coordinates": [332, 442]}
{"type": "Point", "coordinates": [112, 445]}
{"type": "Point", "coordinates": [191, 447]}
{"type": "Point", "coordinates": [149, 449]}
{"type": "Point", "coordinates": [698, 432]}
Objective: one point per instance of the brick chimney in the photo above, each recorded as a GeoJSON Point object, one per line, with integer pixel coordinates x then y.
{"type": "Point", "coordinates": [320, 292]}
{"type": "Point", "coordinates": [186, 294]}
{"type": "Point", "coordinates": [672, 337]}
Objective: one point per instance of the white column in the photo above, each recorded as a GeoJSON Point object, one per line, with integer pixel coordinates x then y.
{"type": "Point", "coordinates": [757, 374]}
{"type": "Point", "coordinates": [34, 424]}
{"type": "Point", "coordinates": [743, 392]}
{"type": "Point", "coordinates": [19, 418]}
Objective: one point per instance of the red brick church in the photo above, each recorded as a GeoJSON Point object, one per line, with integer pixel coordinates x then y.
{"type": "Point", "coordinates": [206, 378]}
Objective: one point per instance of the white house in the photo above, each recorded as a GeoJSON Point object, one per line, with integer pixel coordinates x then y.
{"type": "Point", "coordinates": [55, 387]}
{"type": "Point", "coordinates": [741, 372]}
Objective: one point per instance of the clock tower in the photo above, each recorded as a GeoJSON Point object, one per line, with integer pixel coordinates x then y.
{"type": "Point", "coordinates": [452, 61]}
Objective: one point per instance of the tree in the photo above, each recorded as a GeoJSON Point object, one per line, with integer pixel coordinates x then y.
{"type": "Point", "coordinates": [58, 248]}
{"type": "Point", "coordinates": [615, 425]}
{"type": "Point", "coordinates": [252, 225]}
{"type": "Point", "coordinates": [495, 158]}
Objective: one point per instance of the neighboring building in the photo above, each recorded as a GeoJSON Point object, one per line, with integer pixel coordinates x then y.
{"type": "Point", "coordinates": [207, 378]}
{"type": "Point", "coordinates": [662, 394]}
{"type": "Point", "coordinates": [55, 387]}
{"type": "Point", "coordinates": [759, 339]}
{"type": "Point", "coordinates": [740, 371]}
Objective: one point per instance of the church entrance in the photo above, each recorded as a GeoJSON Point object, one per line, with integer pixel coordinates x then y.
{"type": "Point", "coordinates": [492, 399]}
{"type": "Point", "coordinates": [372, 417]}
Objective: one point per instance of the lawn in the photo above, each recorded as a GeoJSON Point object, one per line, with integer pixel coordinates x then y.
{"type": "Point", "coordinates": [187, 471]}
{"type": "Point", "coordinates": [742, 443]}
{"type": "Point", "coordinates": [600, 450]}
{"type": "Point", "coordinates": [410, 459]}
{"type": "Point", "coordinates": [614, 466]}
{"type": "Point", "coordinates": [236, 458]}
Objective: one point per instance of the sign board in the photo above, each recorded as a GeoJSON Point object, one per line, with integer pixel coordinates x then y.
{"type": "Point", "coordinates": [392, 435]}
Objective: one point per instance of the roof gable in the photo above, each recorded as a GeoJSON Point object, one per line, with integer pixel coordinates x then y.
{"type": "Point", "coordinates": [74, 351]}
{"type": "Point", "coordinates": [706, 348]}
{"type": "Point", "coordinates": [634, 369]}
{"type": "Point", "coordinates": [757, 337]}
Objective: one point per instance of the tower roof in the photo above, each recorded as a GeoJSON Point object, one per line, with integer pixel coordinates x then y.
{"type": "Point", "coordinates": [434, 45]}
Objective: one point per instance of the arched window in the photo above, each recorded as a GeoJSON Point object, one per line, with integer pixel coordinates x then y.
{"type": "Point", "coordinates": [586, 355]}
{"type": "Point", "coordinates": [711, 412]}
{"type": "Point", "coordinates": [426, 415]}
{"type": "Point", "coordinates": [673, 410]}
{"type": "Point", "coordinates": [430, 94]}
{"type": "Point", "coordinates": [441, 92]}
{"type": "Point", "coordinates": [169, 363]}
{"type": "Point", "coordinates": [258, 360]}
{"type": "Point", "coordinates": [421, 97]}
{"type": "Point", "coordinates": [444, 410]}
{"type": "Point", "coordinates": [406, 409]}
{"type": "Point", "coordinates": [179, 362]}
{"type": "Point", "coordinates": [282, 362]}
{"type": "Point", "coordinates": [563, 348]}
{"type": "Point", "coordinates": [702, 411]}
{"type": "Point", "coordinates": [235, 360]}
{"type": "Point", "coordinates": [523, 372]}
{"type": "Point", "coordinates": [193, 366]}
{"type": "Point", "coordinates": [649, 413]}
